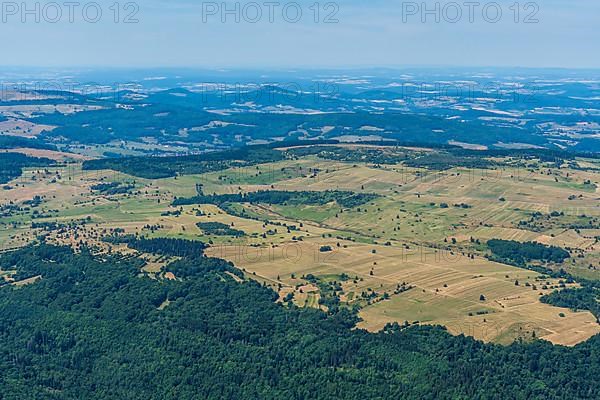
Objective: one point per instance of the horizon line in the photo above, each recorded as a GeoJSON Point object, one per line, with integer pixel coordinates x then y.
{"type": "Point", "coordinates": [291, 68]}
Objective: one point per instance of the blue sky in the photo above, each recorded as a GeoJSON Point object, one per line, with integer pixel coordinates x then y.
{"type": "Point", "coordinates": [367, 33]}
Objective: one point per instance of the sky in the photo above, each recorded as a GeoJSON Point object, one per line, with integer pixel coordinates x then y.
{"type": "Point", "coordinates": [260, 34]}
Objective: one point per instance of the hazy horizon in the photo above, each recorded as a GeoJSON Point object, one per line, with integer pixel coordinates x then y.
{"type": "Point", "coordinates": [348, 34]}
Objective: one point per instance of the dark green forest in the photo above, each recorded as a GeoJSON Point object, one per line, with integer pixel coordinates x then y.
{"type": "Point", "coordinates": [112, 188]}
{"type": "Point", "coordinates": [12, 164]}
{"type": "Point", "coordinates": [165, 167]}
{"type": "Point", "coordinates": [343, 198]}
{"type": "Point", "coordinates": [443, 161]}
{"type": "Point", "coordinates": [519, 253]}
{"type": "Point", "coordinates": [12, 142]}
{"type": "Point", "coordinates": [94, 328]}
{"type": "Point", "coordinates": [219, 229]}
{"type": "Point", "coordinates": [162, 246]}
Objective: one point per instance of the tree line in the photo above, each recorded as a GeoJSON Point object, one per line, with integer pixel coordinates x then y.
{"type": "Point", "coordinates": [343, 198]}
{"type": "Point", "coordinates": [166, 167]}
{"type": "Point", "coordinates": [12, 164]}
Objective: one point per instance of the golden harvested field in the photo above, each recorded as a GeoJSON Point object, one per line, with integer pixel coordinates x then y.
{"type": "Point", "coordinates": [447, 287]}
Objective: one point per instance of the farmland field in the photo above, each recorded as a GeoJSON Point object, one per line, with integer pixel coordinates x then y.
{"type": "Point", "coordinates": [414, 252]}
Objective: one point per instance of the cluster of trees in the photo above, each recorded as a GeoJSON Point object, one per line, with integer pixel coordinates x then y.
{"type": "Point", "coordinates": [219, 229]}
{"type": "Point", "coordinates": [343, 198]}
{"type": "Point", "coordinates": [12, 164]}
{"type": "Point", "coordinates": [545, 155]}
{"type": "Point", "coordinates": [112, 188]}
{"type": "Point", "coordinates": [441, 161]}
{"type": "Point", "coordinates": [585, 298]}
{"type": "Point", "coordinates": [329, 292]}
{"type": "Point", "coordinates": [540, 222]}
{"type": "Point", "coordinates": [358, 154]}
{"type": "Point", "coordinates": [519, 253]}
{"type": "Point", "coordinates": [93, 328]}
{"type": "Point", "coordinates": [162, 246]}
{"type": "Point", "coordinates": [50, 226]}
{"type": "Point", "coordinates": [165, 167]}
{"type": "Point", "coordinates": [452, 156]}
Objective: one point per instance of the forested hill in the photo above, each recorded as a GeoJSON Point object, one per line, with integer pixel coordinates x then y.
{"type": "Point", "coordinates": [94, 328]}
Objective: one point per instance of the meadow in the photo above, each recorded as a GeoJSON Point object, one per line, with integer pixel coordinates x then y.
{"type": "Point", "coordinates": [416, 254]}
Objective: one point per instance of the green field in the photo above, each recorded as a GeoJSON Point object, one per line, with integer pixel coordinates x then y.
{"type": "Point", "coordinates": [427, 230]}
